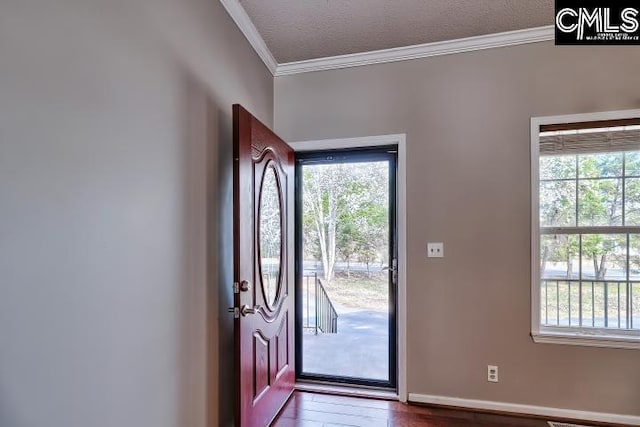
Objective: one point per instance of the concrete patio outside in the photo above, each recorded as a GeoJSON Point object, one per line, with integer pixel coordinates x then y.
{"type": "Point", "coordinates": [360, 348]}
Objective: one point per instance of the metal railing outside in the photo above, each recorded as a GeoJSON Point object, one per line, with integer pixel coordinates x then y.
{"type": "Point", "coordinates": [319, 314]}
{"type": "Point", "coordinates": [613, 304]}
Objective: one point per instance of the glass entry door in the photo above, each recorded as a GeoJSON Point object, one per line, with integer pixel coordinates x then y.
{"type": "Point", "coordinates": [346, 266]}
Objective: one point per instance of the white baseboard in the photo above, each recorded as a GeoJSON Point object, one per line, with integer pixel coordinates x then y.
{"type": "Point", "coordinates": [631, 420]}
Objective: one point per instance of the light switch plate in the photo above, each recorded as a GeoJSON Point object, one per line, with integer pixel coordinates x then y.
{"type": "Point", "coordinates": [435, 250]}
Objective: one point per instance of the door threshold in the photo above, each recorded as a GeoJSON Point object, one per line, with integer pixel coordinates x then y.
{"type": "Point", "coordinates": [347, 390]}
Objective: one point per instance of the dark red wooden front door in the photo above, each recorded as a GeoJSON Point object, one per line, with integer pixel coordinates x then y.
{"type": "Point", "coordinates": [264, 276]}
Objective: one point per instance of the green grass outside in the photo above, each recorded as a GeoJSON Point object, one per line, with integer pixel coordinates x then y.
{"type": "Point", "coordinates": [360, 292]}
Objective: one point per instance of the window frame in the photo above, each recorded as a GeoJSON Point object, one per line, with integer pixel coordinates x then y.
{"type": "Point", "coordinates": [571, 335]}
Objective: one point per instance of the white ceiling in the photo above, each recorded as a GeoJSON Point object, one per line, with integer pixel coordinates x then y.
{"type": "Point", "coordinates": [296, 30]}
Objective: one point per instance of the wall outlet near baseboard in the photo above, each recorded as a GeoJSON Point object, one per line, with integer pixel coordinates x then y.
{"type": "Point", "coordinates": [492, 373]}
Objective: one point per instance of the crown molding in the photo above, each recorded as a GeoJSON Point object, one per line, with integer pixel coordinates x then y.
{"type": "Point", "coordinates": [489, 41]}
{"type": "Point", "coordinates": [404, 53]}
{"type": "Point", "coordinates": [242, 20]}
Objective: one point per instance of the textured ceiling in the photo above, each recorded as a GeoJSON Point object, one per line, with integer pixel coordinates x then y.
{"type": "Point", "coordinates": [295, 30]}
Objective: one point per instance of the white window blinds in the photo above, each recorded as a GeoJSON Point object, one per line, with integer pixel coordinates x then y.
{"type": "Point", "coordinates": [591, 137]}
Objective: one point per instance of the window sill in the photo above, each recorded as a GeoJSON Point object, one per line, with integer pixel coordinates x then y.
{"type": "Point", "coordinates": [587, 339]}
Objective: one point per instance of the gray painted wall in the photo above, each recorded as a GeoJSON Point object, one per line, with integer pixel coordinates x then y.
{"type": "Point", "coordinates": [466, 117]}
{"type": "Point", "coordinates": [115, 209]}
{"type": "Point", "coordinates": [115, 202]}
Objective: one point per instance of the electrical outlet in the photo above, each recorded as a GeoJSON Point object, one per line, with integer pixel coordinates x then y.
{"type": "Point", "coordinates": [492, 374]}
{"type": "Point", "coordinates": [435, 250]}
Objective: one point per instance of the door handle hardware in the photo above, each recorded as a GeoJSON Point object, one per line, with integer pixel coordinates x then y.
{"type": "Point", "coordinates": [244, 286]}
{"type": "Point", "coordinates": [394, 271]}
{"type": "Point", "coordinates": [245, 309]}
{"type": "Point", "coordinates": [393, 267]}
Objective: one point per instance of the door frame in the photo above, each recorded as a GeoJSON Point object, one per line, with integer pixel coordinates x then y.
{"type": "Point", "coordinates": [401, 212]}
{"type": "Point", "coordinates": [384, 153]}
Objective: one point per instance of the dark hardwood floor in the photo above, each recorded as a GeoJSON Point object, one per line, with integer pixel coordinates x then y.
{"type": "Point", "coordinates": [323, 410]}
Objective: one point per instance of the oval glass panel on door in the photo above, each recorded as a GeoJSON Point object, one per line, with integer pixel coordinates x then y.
{"type": "Point", "coordinates": [270, 235]}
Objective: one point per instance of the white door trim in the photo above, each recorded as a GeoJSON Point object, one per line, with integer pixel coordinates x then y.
{"type": "Point", "coordinates": [373, 141]}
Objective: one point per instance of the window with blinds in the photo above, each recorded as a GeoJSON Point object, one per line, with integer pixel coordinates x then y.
{"type": "Point", "coordinates": [586, 231]}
